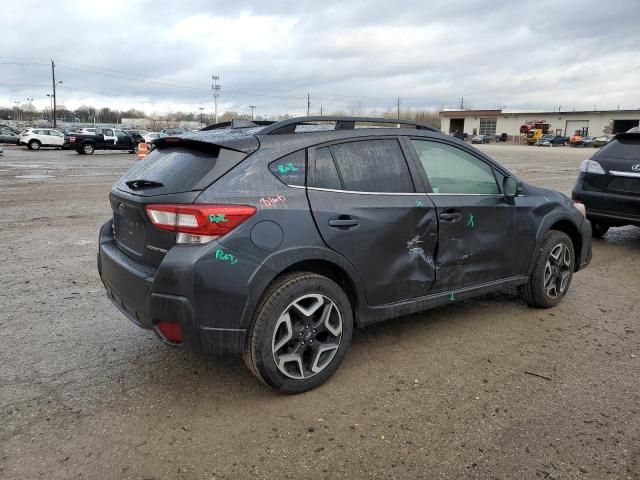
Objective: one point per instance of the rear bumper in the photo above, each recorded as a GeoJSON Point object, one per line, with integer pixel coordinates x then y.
{"type": "Point", "coordinates": [211, 317]}
{"type": "Point", "coordinates": [610, 208]}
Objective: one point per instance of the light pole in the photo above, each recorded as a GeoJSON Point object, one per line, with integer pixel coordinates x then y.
{"type": "Point", "coordinates": [252, 107]}
{"type": "Point", "coordinates": [17, 110]}
{"type": "Point", "coordinates": [30, 111]}
{"type": "Point", "coordinates": [201, 122]}
{"type": "Point", "coordinates": [216, 93]}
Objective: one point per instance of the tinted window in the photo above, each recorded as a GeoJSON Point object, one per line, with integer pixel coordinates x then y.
{"type": "Point", "coordinates": [108, 133]}
{"type": "Point", "coordinates": [452, 170]}
{"type": "Point", "coordinates": [325, 174]}
{"type": "Point", "coordinates": [621, 148]}
{"type": "Point", "coordinates": [373, 166]}
{"type": "Point", "coordinates": [121, 135]}
{"type": "Point", "coordinates": [177, 169]}
{"type": "Point", "coordinates": [290, 169]}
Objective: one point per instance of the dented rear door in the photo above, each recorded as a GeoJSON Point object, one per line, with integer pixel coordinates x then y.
{"type": "Point", "coordinates": [367, 207]}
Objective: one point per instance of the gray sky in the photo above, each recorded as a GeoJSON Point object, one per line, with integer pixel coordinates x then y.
{"type": "Point", "coordinates": [159, 56]}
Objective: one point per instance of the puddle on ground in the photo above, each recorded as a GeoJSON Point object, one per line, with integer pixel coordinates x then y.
{"type": "Point", "coordinates": [35, 176]}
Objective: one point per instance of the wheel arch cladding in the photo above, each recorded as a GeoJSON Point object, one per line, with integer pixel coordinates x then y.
{"type": "Point", "coordinates": [332, 272]}
{"type": "Point", "coordinates": [568, 227]}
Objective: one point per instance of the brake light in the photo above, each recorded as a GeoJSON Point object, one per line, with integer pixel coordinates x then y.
{"type": "Point", "coordinates": [198, 223]}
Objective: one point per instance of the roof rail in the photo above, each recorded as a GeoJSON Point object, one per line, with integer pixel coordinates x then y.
{"type": "Point", "coordinates": [341, 123]}
{"type": "Point", "coordinates": [237, 123]}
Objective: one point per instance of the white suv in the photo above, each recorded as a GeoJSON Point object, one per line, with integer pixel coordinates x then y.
{"type": "Point", "coordinates": [34, 138]}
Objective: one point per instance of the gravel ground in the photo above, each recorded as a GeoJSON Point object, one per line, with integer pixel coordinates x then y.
{"type": "Point", "coordinates": [449, 393]}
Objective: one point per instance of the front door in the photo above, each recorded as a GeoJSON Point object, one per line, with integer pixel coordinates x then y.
{"type": "Point", "coordinates": [477, 227]}
{"type": "Point", "coordinates": [367, 208]}
{"type": "Point", "coordinates": [109, 137]}
{"type": "Point", "coordinates": [123, 141]}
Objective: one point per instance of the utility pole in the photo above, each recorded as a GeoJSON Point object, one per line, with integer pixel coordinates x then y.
{"type": "Point", "coordinates": [461, 103]}
{"type": "Point", "coordinates": [398, 108]}
{"type": "Point", "coordinates": [252, 107]}
{"type": "Point", "coordinates": [53, 83]}
{"type": "Point", "coordinates": [17, 110]}
{"type": "Point", "coordinates": [320, 110]}
{"type": "Point", "coordinates": [216, 93]}
{"type": "Point", "coordinates": [308, 103]}
{"type": "Point", "coordinates": [201, 109]}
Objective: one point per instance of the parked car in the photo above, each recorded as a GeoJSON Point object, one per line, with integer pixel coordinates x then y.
{"type": "Point", "coordinates": [135, 132]}
{"type": "Point", "coordinates": [609, 184]}
{"type": "Point", "coordinates": [104, 139]}
{"type": "Point", "coordinates": [602, 140]}
{"type": "Point", "coordinates": [9, 136]}
{"type": "Point", "coordinates": [174, 132]}
{"type": "Point", "coordinates": [275, 242]}
{"type": "Point", "coordinates": [35, 138]}
{"type": "Point", "coordinates": [549, 140]}
{"type": "Point", "coordinates": [586, 141]}
{"type": "Point", "coordinates": [87, 131]}
{"type": "Point", "coordinates": [151, 136]}
{"type": "Point", "coordinates": [481, 139]}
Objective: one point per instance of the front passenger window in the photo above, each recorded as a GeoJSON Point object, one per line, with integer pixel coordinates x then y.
{"type": "Point", "coordinates": [452, 170]}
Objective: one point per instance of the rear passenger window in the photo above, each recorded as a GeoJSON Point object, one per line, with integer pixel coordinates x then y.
{"type": "Point", "coordinates": [373, 166]}
{"type": "Point", "coordinates": [290, 169]}
{"type": "Point", "coordinates": [325, 173]}
{"type": "Point", "coordinates": [452, 170]}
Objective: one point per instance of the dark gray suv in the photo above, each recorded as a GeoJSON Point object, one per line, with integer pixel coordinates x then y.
{"type": "Point", "coordinates": [276, 241]}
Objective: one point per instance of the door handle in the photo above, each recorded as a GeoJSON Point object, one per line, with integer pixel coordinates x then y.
{"type": "Point", "coordinates": [344, 221]}
{"type": "Point", "coordinates": [450, 217]}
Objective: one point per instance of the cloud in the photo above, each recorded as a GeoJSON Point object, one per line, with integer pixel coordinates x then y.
{"type": "Point", "coordinates": [159, 56]}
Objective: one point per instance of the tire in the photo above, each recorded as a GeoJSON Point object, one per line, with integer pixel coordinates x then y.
{"type": "Point", "coordinates": [598, 230]}
{"type": "Point", "coordinates": [88, 148]}
{"type": "Point", "coordinates": [552, 272]}
{"type": "Point", "coordinates": [280, 348]}
{"type": "Point", "coordinates": [79, 151]}
{"type": "Point", "coordinates": [34, 145]}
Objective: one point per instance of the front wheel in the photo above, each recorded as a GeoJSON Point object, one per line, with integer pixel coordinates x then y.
{"type": "Point", "coordinates": [301, 332]}
{"type": "Point", "coordinates": [552, 272]}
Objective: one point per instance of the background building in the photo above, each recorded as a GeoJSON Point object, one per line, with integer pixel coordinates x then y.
{"type": "Point", "coordinates": [491, 122]}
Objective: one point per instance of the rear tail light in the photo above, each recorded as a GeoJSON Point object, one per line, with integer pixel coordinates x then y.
{"type": "Point", "coordinates": [591, 166]}
{"type": "Point", "coordinates": [198, 223]}
{"type": "Point", "coordinates": [170, 331]}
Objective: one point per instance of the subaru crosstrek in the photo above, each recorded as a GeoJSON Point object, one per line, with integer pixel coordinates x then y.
{"type": "Point", "coordinates": [277, 241]}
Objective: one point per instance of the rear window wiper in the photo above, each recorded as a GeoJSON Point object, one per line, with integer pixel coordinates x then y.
{"type": "Point", "coordinates": [138, 184]}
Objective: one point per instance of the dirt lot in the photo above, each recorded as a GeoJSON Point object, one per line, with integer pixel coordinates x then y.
{"type": "Point", "coordinates": [445, 394]}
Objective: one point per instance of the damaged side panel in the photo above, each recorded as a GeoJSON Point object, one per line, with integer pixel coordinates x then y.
{"type": "Point", "coordinates": [390, 239]}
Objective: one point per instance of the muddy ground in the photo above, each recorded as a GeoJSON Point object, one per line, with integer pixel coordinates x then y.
{"type": "Point", "coordinates": [450, 393]}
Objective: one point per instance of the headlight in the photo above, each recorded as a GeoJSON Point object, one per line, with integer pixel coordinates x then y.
{"type": "Point", "coordinates": [581, 208]}
{"type": "Point", "coordinates": [591, 166]}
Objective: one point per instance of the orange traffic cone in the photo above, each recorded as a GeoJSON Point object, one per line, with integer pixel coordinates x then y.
{"type": "Point", "coordinates": [143, 149]}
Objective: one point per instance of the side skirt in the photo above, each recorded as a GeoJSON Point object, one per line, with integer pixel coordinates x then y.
{"type": "Point", "coordinates": [369, 315]}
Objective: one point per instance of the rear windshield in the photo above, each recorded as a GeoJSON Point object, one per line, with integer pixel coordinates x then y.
{"type": "Point", "coordinates": [621, 148]}
{"type": "Point", "coordinates": [177, 169]}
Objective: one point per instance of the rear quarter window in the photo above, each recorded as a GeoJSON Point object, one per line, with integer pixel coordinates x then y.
{"type": "Point", "coordinates": [290, 169]}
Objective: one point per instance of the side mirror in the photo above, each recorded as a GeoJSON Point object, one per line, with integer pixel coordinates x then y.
{"type": "Point", "coordinates": [509, 188]}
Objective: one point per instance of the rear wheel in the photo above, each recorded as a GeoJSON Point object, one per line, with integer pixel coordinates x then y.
{"type": "Point", "coordinates": [34, 145]}
{"type": "Point", "coordinates": [598, 230]}
{"type": "Point", "coordinates": [552, 272]}
{"type": "Point", "coordinates": [300, 334]}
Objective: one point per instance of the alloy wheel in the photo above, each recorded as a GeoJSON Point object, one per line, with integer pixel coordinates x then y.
{"type": "Point", "coordinates": [557, 271]}
{"type": "Point", "coordinates": [307, 336]}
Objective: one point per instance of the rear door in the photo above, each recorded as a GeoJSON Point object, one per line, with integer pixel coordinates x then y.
{"type": "Point", "coordinates": [476, 234]}
{"type": "Point", "coordinates": [56, 138]}
{"type": "Point", "coordinates": [122, 140]}
{"type": "Point", "coordinates": [371, 208]}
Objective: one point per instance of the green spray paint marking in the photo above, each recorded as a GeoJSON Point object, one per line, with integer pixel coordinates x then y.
{"type": "Point", "coordinates": [217, 218]}
{"type": "Point", "coordinates": [471, 221]}
{"type": "Point", "coordinates": [452, 297]}
{"type": "Point", "coordinates": [289, 167]}
{"type": "Point", "coordinates": [227, 257]}
{"type": "Point", "coordinates": [419, 203]}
